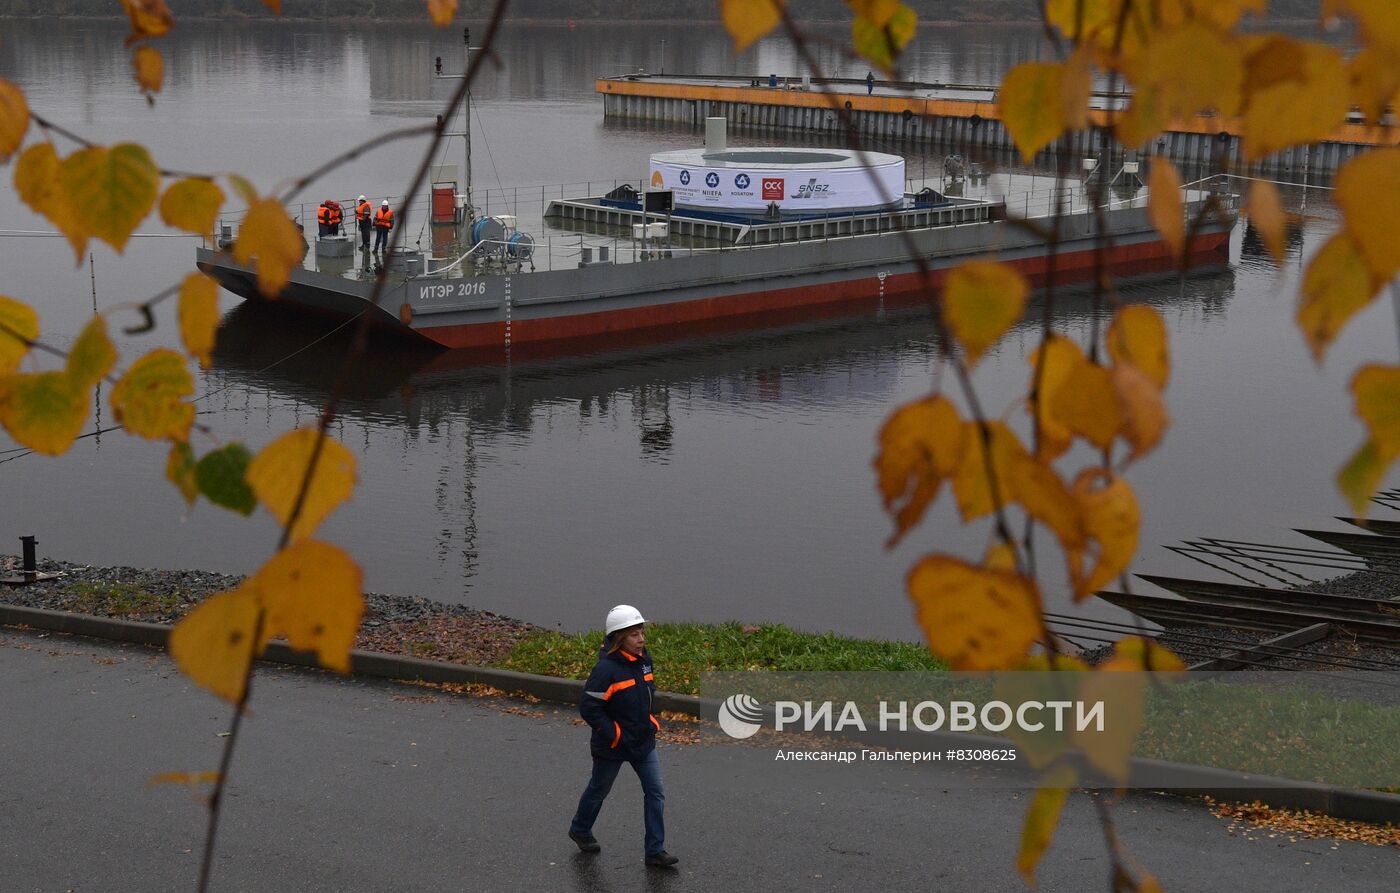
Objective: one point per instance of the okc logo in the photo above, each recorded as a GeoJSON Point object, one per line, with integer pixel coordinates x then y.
{"type": "Point", "coordinates": [742, 181]}
{"type": "Point", "coordinates": [712, 179]}
{"type": "Point", "coordinates": [685, 178]}
{"type": "Point", "coordinates": [772, 187]}
{"type": "Point", "coordinates": [740, 716]}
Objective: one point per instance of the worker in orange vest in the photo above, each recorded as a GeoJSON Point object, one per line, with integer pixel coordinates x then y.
{"type": "Point", "coordinates": [383, 222]}
{"type": "Point", "coordinates": [364, 218]}
{"type": "Point", "coordinates": [328, 218]}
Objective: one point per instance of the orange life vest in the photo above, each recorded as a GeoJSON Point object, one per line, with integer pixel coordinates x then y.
{"type": "Point", "coordinates": [384, 218]}
{"type": "Point", "coordinates": [363, 210]}
{"type": "Point", "coordinates": [323, 215]}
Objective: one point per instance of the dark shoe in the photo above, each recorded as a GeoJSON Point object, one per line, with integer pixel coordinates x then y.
{"type": "Point", "coordinates": [662, 859]}
{"type": "Point", "coordinates": [586, 842]}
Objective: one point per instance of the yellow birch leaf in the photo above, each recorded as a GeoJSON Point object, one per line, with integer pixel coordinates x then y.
{"type": "Point", "coordinates": [1123, 696]}
{"type": "Point", "coordinates": [1145, 417]}
{"type": "Point", "coordinates": [1212, 81]}
{"type": "Point", "coordinates": [215, 643]}
{"type": "Point", "coordinates": [116, 188]}
{"type": "Point", "coordinates": [16, 319]}
{"type": "Point", "coordinates": [981, 300]}
{"type": "Point", "coordinates": [274, 5]}
{"type": "Point", "coordinates": [149, 18]}
{"type": "Point", "coordinates": [1134, 654]}
{"type": "Point", "coordinates": [1087, 405]}
{"type": "Point", "coordinates": [277, 472]}
{"type": "Point", "coordinates": [179, 470]}
{"type": "Point", "coordinates": [147, 399]}
{"type": "Point", "coordinates": [1266, 213]}
{"type": "Point", "coordinates": [312, 592]}
{"type": "Point", "coordinates": [1365, 182]}
{"type": "Point", "coordinates": [974, 618]}
{"type": "Point", "coordinates": [1000, 557]}
{"type": "Point", "coordinates": [921, 444]}
{"type": "Point", "coordinates": [881, 44]}
{"type": "Point", "coordinates": [877, 12]}
{"type": "Point", "coordinates": [38, 179]}
{"type": "Point", "coordinates": [1097, 22]}
{"type": "Point", "coordinates": [1076, 88]}
{"type": "Point", "coordinates": [193, 779]}
{"type": "Point", "coordinates": [244, 189]}
{"type": "Point", "coordinates": [192, 204]}
{"type": "Point", "coordinates": [1375, 80]}
{"type": "Point", "coordinates": [1165, 208]}
{"type": "Point", "coordinates": [1111, 519]}
{"type": "Point", "coordinates": [1377, 392]}
{"type": "Point", "coordinates": [1138, 336]}
{"type": "Point", "coordinates": [1296, 93]}
{"type": "Point", "coordinates": [1336, 287]}
{"type": "Point", "coordinates": [1362, 475]}
{"type": "Point", "coordinates": [1039, 490]}
{"type": "Point", "coordinates": [269, 235]}
{"type": "Point", "coordinates": [1030, 104]}
{"type": "Point", "coordinates": [92, 355]}
{"type": "Point", "coordinates": [1062, 357]}
{"type": "Point", "coordinates": [442, 12]}
{"type": "Point", "coordinates": [971, 485]}
{"type": "Point", "coordinates": [1142, 120]}
{"type": "Point", "coordinates": [1376, 19]}
{"type": "Point", "coordinates": [1041, 819]}
{"type": "Point", "coordinates": [44, 411]}
{"type": "Point", "coordinates": [14, 119]}
{"type": "Point", "coordinates": [199, 316]}
{"type": "Point", "coordinates": [149, 67]}
{"type": "Point", "coordinates": [748, 20]}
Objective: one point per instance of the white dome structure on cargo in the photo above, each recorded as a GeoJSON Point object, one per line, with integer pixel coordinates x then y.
{"type": "Point", "coordinates": [797, 180]}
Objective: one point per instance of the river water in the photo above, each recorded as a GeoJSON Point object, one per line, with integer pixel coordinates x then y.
{"type": "Point", "coordinates": [717, 478]}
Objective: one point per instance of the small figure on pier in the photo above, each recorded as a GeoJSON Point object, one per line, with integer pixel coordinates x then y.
{"type": "Point", "coordinates": [329, 217]}
{"type": "Point", "coordinates": [869, 82]}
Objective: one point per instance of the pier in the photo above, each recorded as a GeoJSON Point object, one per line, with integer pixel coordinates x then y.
{"type": "Point", "coordinates": [915, 114]}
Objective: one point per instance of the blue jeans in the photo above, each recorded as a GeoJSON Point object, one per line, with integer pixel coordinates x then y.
{"type": "Point", "coordinates": [648, 769]}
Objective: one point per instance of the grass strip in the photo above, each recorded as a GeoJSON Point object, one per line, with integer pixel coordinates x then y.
{"type": "Point", "coordinates": [683, 651]}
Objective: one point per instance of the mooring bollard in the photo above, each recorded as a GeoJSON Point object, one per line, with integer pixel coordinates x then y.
{"type": "Point", "coordinates": [31, 564]}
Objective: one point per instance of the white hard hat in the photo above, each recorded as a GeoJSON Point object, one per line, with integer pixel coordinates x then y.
{"type": "Point", "coordinates": [622, 617]}
{"type": "Point", "coordinates": [362, 199]}
{"type": "Point", "coordinates": [385, 203]}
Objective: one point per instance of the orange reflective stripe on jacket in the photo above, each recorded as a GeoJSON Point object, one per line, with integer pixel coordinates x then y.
{"type": "Point", "coordinates": [323, 214]}
{"type": "Point", "coordinates": [362, 211]}
{"type": "Point", "coordinates": [617, 687]}
{"type": "Point", "coordinates": [384, 218]}
{"type": "Point", "coordinates": [336, 216]}
{"type": "Point", "coordinates": [655, 723]}
{"type": "Point", "coordinates": [647, 677]}
{"type": "Point", "coordinates": [617, 737]}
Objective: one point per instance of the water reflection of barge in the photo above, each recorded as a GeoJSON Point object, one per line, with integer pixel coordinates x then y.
{"type": "Point", "coordinates": [841, 250]}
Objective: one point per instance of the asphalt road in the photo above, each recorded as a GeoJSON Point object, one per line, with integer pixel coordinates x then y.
{"type": "Point", "coordinates": [352, 785]}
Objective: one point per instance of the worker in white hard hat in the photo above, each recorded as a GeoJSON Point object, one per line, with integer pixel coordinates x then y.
{"type": "Point", "coordinates": [618, 705]}
{"type": "Point", "coordinates": [364, 219]}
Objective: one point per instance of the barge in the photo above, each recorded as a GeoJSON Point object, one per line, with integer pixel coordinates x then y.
{"type": "Point", "coordinates": [831, 239]}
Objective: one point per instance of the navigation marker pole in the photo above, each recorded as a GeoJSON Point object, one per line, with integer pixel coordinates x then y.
{"type": "Point", "coordinates": [466, 132]}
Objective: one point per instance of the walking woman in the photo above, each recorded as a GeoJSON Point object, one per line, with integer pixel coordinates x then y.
{"type": "Point", "coordinates": [617, 705]}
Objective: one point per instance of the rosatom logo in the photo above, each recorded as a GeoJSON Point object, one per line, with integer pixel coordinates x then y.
{"type": "Point", "coordinates": [657, 179]}
{"type": "Point", "coordinates": [741, 181]}
{"type": "Point", "coordinates": [740, 716]}
{"type": "Point", "coordinates": [685, 178]}
{"type": "Point", "coordinates": [772, 187]}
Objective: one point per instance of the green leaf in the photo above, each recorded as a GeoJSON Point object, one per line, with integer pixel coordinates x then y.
{"type": "Point", "coordinates": [44, 412]}
{"type": "Point", "coordinates": [93, 355]}
{"type": "Point", "coordinates": [179, 470]}
{"type": "Point", "coordinates": [1042, 818]}
{"type": "Point", "coordinates": [882, 44]}
{"type": "Point", "coordinates": [220, 476]}
{"type": "Point", "coordinates": [115, 188]}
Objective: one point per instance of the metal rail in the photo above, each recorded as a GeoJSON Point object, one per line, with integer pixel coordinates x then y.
{"type": "Point", "coordinates": [1171, 611]}
{"type": "Point", "coordinates": [1233, 594]}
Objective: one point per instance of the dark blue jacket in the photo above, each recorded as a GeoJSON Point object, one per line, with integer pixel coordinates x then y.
{"type": "Point", "coordinates": [617, 705]}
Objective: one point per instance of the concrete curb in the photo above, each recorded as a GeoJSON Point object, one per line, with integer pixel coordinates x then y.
{"type": "Point", "coordinates": [1222, 784]}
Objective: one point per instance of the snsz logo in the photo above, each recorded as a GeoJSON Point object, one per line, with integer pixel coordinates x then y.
{"type": "Point", "coordinates": [741, 181]}
{"type": "Point", "coordinates": [741, 716]}
{"type": "Point", "coordinates": [685, 178]}
{"type": "Point", "coordinates": [772, 187]}
{"type": "Point", "coordinates": [810, 188]}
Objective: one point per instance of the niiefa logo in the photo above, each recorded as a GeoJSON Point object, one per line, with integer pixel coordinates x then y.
{"type": "Point", "coordinates": [740, 716]}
